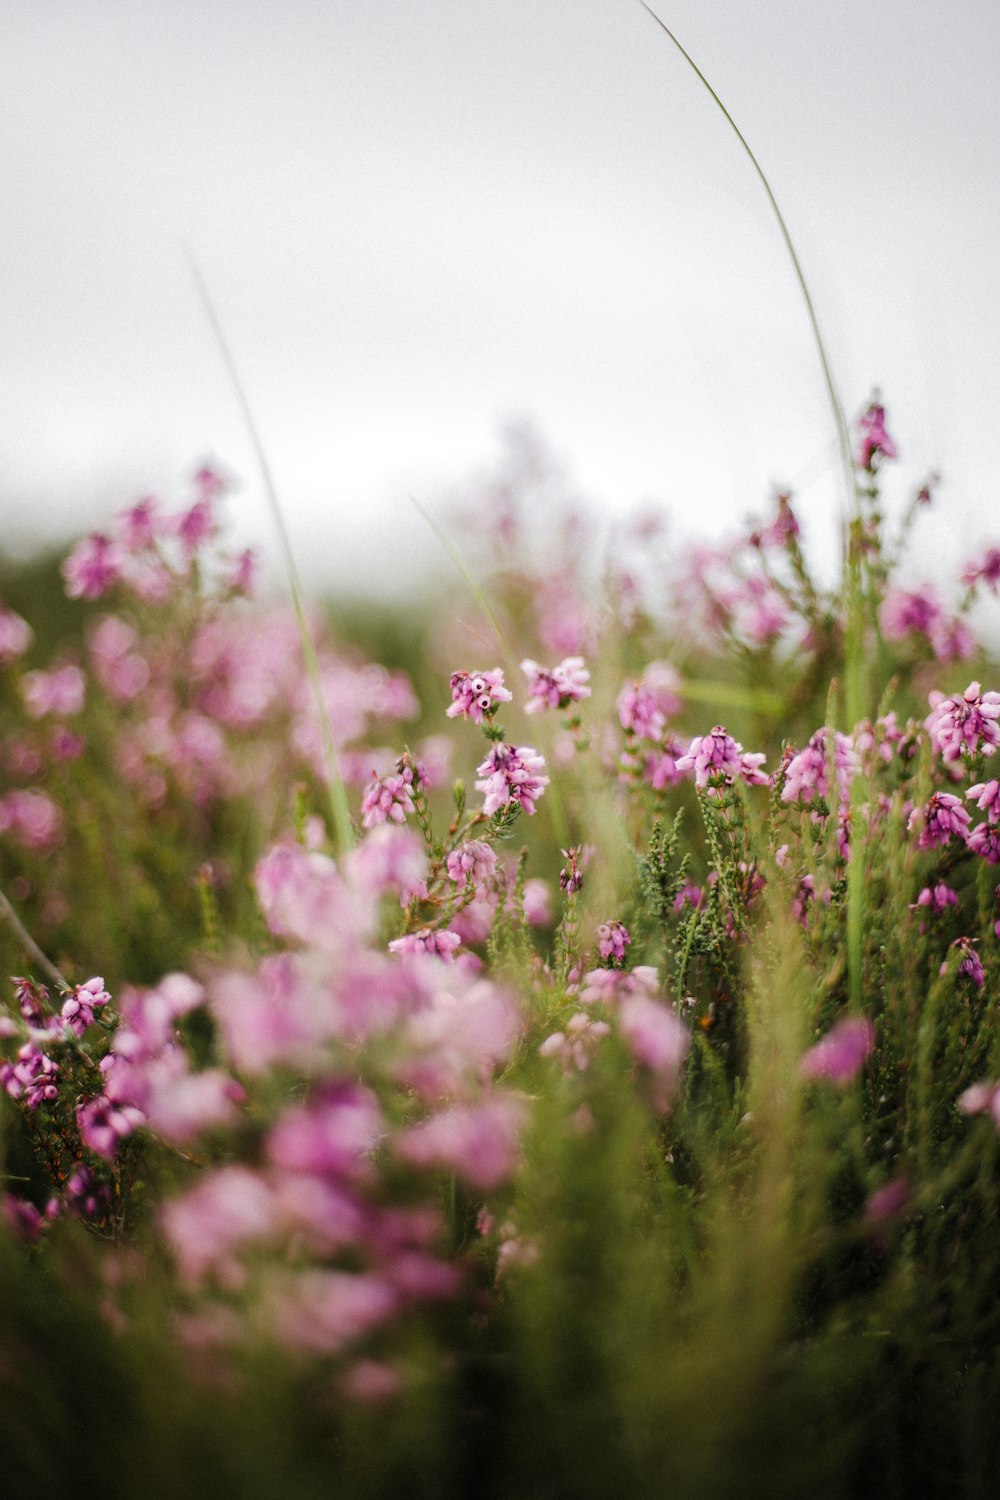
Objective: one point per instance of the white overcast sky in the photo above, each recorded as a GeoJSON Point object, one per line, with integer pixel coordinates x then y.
{"type": "Point", "coordinates": [418, 217]}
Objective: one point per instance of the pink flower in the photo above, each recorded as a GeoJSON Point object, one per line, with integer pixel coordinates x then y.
{"type": "Point", "coordinates": [875, 441]}
{"type": "Point", "coordinates": [887, 1201]}
{"type": "Point", "coordinates": [478, 1142]}
{"type": "Point", "coordinates": [511, 774]}
{"type": "Point", "coordinates": [970, 964]}
{"type": "Point", "coordinates": [610, 986]}
{"type": "Point", "coordinates": [15, 636]}
{"type": "Point", "coordinates": [119, 668]}
{"type": "Point", "coordinates": [986, 570]}
{"type": "Point", "coordinates": [240, 573]}
{"type": "Point", "coordinates": [104, 1125]}
{"type": "Point", "coordinates": [31, 818]}
{"type": "Point", "coordinates": [574, 1047]}
{"type": "Point", "coordinates": [140, 524]}
{"type": "Point", "coordinates": [472, 863]}
{"type": "Point", "coordinates": [563, 685]}
{"type": "Point", "coordinates": [965, 723]}
{"type": "Point", "coordinates": [904, 613]}
{"type": "Point", "coordinates": [984, 840]}
{"type": "Point", "coordinates": [321, 1311]}
{"type": "Point", "coordinates": [806, 771]}
{"type": "Point", "coordinates": [333, 1135]}
{"type": "Point", "coordinates": [657, 1040]}
{"type": "Point", "coordinates": [389, 859]}
{"type": "Point", "coordinates": [196, 525]}
{"type": "Point", "coordinates": [477, 695]}
{"type": "Point", "coordinates": [639, 713]}
{"type": "Point", "coordinates": [840, 1055]}
{"type": "Point", "coordinates": [571, 875]}
{"type": "Point", "coordinates": [936, 898]}
{"type": "Point", "coordinates": [387, 798]}
{"type": "Point", "coordinates": [438, 941]}
{"type": "Point", "coordinates": [93, 567]}
{"type": "Point", "coordinates": [982, 1098]}
{"type": "Point", "coordinates": [943, 818]}
{"type": "Point", "coordinates": [986, 795]}
{"type": "Point", "coordinates": [717, 760]}
{"type": "Point", "coordinates": [59, 692]}
{"type": "Point", "coordinates": [612, 940]}
{"type": "Point", "coordinates": [227, 1209]}
{"type": "Point", "coordinates": [79, 1009]}
{"type": "Point", "coordinates": [537, 903]}
{"type": "Point", "coordinates": [782, 529]}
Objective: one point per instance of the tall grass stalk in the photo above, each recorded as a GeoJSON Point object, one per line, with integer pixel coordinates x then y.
{"type": "Point", "coordinates": [336, 790]}
{"type": "Point", "coordinates": [855, 666]}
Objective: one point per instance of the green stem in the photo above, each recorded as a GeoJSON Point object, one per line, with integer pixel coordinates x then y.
{"type": "Point", "coordinates": [335, 783]}
{"type": "Point", "coordinates": [855, 666]}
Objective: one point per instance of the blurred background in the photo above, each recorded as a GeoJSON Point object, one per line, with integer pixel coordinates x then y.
{"type": "Point", "coordinates": [421, 220]}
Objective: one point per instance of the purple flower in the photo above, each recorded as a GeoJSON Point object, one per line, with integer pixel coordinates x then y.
{"type": "Point", "coordinates": [904, 613]}
{"type": "Point", "coordinates": [982, 1098]}
{"type": "Point", "coordinates": [563, 685]}
{"type": "Point", "coordinates": [657, 1040]}
{"type": "Point", "coordinates": [984, 840]}
{"type": "Point", "coordinates": [986, 570]}
{"type": "Point", "coordinates": [196, 525]}
{"type": "Point", "coordinates": [970, 964]}
{"type": "Point", "coordinates": [387, 798]}
{"type": "Point", "coordinates": [936, 898]}
{"type": "Point", "coordinates": [438, 941]}
{"type": "Point", "coordinates": [478, 1142]}
{"type": "Point", "coordinates": [78, 1011]}
{"type": "Point", "coordinates": [476, 695]}
{"type": "Point", "coordinates": [783, 528]}
{"type": "Point", "coordinates": [806, 770]}
{"type": "Point", "coordinates": [571, 874]}
{"type": "Point", "coordinates": [15, 636]}
{"type": "Point", "coordinates": [887, 1201]}
{"type": "Point", "coordinates": [943, 818]}
{"type": "Point", "coordinates": [965, 723]}
{"type": "Point", "coordinates": [93, 567]}
{"type": "Point", "coordinates": [717, 759]}
{"type": "Point", "coordinates": [986, 795]}
{"type": "Point", "coordinates": [140, 524]}
{"type": "Point", "coordinates": [103, 1125]}
{"type": "Point", "coordinates": [639, 712]}
{"type": "Point", "coordinates": [30, 817]}
{"type": "Point", "coordinates": [611, 986]}
{"type": "Point", "coordinates": [472, 863]}
{"type": "Point", "coordinates": [511, 774]}
{"type": "Point", "coordinates": [875, 441]}
{"type": "Point", "coordinates": [840, 1055]}
{"type": "Point", "coordinates": [574, 1047]}
{"type": "Point", "coordinates": [612, 940]}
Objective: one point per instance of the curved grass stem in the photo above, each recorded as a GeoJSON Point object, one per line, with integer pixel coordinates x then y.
{"type": "Point", "coordinates": [337, 793]}
{"type": "Point", "coordinates": [855, 664]}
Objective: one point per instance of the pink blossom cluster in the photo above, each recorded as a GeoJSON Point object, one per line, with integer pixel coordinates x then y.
{"type": "Point", "coordinates": [477, 695]}
{"type": "Point", "coordinates": [717, 760]}
{"type": "Point", "coordinates": [840, 1055]}
{"type": "Point", "coordinates": [964, 724]}
{"type": "Point", "coordinates": [16, 636]}
{"type": "Point", "coordinates": [875, 443]}
{"type": "Point", "coordinates": [511, 774]}
{"type": "Point", "coordinates": [558, 687]}
{"type": "Point", "coordinates": [151, 551]}
{"type": "Point", "coordinates": [806, 774]}
{"type": "Point", "coordinates": [905, 614]}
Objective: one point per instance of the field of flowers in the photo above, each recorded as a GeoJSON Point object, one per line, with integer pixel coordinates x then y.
{"type": "Point", "coordinates": [544, 1045]}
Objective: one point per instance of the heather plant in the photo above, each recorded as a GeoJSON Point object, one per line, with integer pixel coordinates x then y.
{"type": "Point", "coordinates": [537, 1142]}
{"type": "Point", "coordinates": [598, 1092]}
